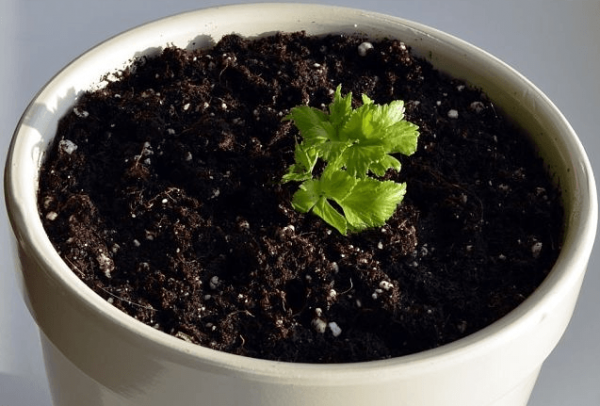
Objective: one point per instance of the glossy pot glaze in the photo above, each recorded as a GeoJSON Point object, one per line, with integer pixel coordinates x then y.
{"type": "Point", "coordinates": [96, 355]}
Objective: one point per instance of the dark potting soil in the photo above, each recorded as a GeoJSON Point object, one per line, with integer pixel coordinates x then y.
{"type": "Point", "coordinates": [162, 192]}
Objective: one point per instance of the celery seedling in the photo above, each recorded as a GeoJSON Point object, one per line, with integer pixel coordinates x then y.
{"type": "Point", "coordinates": [357, 146]}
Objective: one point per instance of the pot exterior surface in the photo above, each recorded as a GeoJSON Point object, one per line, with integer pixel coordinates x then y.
{"type": "Point", "coordinates": [96, 355]}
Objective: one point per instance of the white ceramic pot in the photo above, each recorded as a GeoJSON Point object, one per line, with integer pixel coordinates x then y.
{"type": "Point", "coordinates": [96, 355]}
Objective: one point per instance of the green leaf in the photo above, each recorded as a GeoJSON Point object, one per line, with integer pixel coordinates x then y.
{"type": "Point", "coordinates": [296, 173]}
{"type": "Point", "coordinates": [306, 159]}
{"type": "Point", "coordinates": [372, 202]}
{"type": "Point", "coordinates": [328, 213]}
{"type": "Point", "coordinates": [359, 126]}
{"type": "Point", "coordinates": [402, 138]}
{"type": "Point", "coordinates": [336, 184]}
{"type": "Point", "coordinates": [305, 117]}
{"type": "Point", "coordinates": [386, 163]}
{"type": "Point", "coordinates": [341, 108]}
{"type": "Point", "coordinates": [358, 159]}
{"type": "Point", "coordinates": [331, 151]}
{"type": "Point", "coordinates": [389, 114]}
{"type": "Point", "coordinates": [307, 196]}
{"type": "Point", "coordinates": [319, 134]}
{"type": "Point", "coordinates": [315, 193]}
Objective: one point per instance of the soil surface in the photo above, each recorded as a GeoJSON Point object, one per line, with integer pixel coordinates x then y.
{"type": "Point", "coordinates": [162, 192]}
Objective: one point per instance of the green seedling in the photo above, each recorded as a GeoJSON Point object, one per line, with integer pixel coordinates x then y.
{"type": "Point", "coordinates": [357, 147]}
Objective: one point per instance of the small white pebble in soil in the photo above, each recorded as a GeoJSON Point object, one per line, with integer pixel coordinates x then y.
{"type": "Point", "coordinates": [52, 215]}
{"type": "Point", "coordinates": [184, 337]}
{"type": "Point", "coordinates": [460, 88]}
{"type": "Point", "coordinates": [374, 295]}
{"type": "Point", "coordinates": [332, 293]}
{"type": "Point", "coordinates": [136, 242]}
{"type": "Point", "coordinates": [536, 249]}
{"type": "Point", "coordinates": [186, 106]}
{"type": "Point", "coordinates": [439, 102]}
{"type": "Point", "coordinates": [385, 285]}
{"type": "Point", "coordinates": [215, 282]}
{"type": "Point", "coordinates": [452, 113]}
{"type": "Point", "coordinates": [106, 264]}
{"type": "Point", "coordinates": [364, 48]}
{"type": "Point", "coordinates": [147, 149]}
{"type": "Point", "coordinates": [335, 329]}
{"type": "Point", "coordinates": [80, 113]}
{"type": "Point", "coordinates": [110, 300]}
{"type": "Point", "coordinates": [477, 106]}
{"type": "Point", "coordinates": [319, 325]}
{"type": "Point", "coordinates": [380, 245]}
{"type": "Point", "coordinates": [68, 146]}
{"type": "Point", "coordinates": [502, 257]}
{"type": "Point", "coordinates": [164, 201]}
{"type": "Point", "coordinates": [358, 303]}
{"type": "Point", "coordinates": [318, 312]}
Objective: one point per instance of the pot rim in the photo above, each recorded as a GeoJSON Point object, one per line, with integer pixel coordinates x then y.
{"type": "Point", "coordinates": [579, 237]}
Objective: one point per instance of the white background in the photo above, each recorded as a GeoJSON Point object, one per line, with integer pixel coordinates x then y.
{"type": "Point", "coordinates": [556, 44]}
